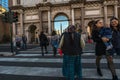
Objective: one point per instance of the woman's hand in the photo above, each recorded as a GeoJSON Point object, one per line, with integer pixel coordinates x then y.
{"type": "Point", "coordinates": [104, 39]}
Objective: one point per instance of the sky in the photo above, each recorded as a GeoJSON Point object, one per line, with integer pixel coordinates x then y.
{"type": "Point", "coordinates": [4, 3]}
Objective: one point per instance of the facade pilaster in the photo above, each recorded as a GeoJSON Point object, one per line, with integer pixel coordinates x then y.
{"type": "Point", "coordinates": [14, 31]}
{"type": "Point", "coordinates": [105, 13]}
{"type": "Point", "coordinates": [73, 17]}
{"type": "Point", "coordinates": [82, 18]}
{"type": "Point", "coordinates": [116, 10]}
{"type": "Point", "coordinates": [40, 17]}
{"type": "Point", "coordinates": [21, 23]}
{"type": "Point", "coordinates": [14, 2]}
{"type": "Point", "coordinates": [49, 22]}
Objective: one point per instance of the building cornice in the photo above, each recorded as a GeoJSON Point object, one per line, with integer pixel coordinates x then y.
{"type": "Point", "coordinates": [92, 2]}
{"type": "Point", "coordinates": [32, 7]}
{"type": "Point", "coordinates": [44, 4]}
{"type": "Point", "coordinates": [79, 3]}
{"type": "Point", "coordinates": [16, 7]}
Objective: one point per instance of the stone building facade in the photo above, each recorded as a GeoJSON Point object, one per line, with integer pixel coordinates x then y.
{"type": "Point", "coordinates": [38, 15]}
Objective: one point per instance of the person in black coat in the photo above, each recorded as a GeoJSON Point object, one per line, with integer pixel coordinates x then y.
{"type": "Point", "coordinates": [43, 42]}
{"type": "Point", "coordinates": [100, 49]}
{"type": "Point", "coordinates": [115, 25]}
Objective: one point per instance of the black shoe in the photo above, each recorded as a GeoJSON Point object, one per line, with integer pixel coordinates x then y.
{"type": "Point", "coordinates": [99, 72]}
{"type": "Point", "coordinates": [108, 65]}
{"type": "Point", "coordinates": [46, 52]}
{"type": "Point", "coordinates": [42, 54]}
{"type": "Point", "coordinates": [115, 78]}
{"type": "Point", "coordinates": [54, 55]}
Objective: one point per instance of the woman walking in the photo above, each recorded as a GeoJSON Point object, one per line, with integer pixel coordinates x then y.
{"type": "Point", "coordinates": [70, 45]}
{"type": "Point", "coordinates": [114, 24]}
{"type": "Point", "coordinates": [54, 42]}
{"type": "Point", "coordinates": [43, 42]}
{"type": "Point", "coordinates": [100, 49]}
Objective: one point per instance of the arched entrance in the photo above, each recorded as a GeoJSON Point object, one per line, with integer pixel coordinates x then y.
{"type": "Point", "coordinates": [60, 23]}
{"type": "Point", "coordinates": [31, 34]}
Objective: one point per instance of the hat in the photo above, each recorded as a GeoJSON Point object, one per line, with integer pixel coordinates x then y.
{"type": "Point", "coordinates": [113, 18]}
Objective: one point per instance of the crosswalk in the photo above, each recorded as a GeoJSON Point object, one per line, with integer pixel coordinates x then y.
{"type": "Point", "coordinates": [31, 65]}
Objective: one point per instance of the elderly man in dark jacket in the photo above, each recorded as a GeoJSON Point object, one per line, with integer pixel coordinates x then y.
{"type": "Point", "coordinates": [71, 46]}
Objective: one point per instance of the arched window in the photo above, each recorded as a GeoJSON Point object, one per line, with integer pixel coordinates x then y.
{"type": "Point", "coordinates": [60, 23]}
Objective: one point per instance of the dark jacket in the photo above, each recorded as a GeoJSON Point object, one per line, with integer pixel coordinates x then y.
{"type": "Point", "coordinates": [116, 39]}
{"type": "Point", "coordinates": [106, 32]}
{"type": "Point", "coordinates": [43, 40]}
{"type": "Point", "coordinates": [24, 39]}
{"type": "Point", "coordinates": [100, 47]}
{"type": "Point", "coordinates": [74, 47]}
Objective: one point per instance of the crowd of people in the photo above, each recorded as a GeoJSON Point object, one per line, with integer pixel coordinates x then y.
{"type": "Point", "coordinates": [107, 39]}
{"type": "Point", "coordinates": [70, 45]}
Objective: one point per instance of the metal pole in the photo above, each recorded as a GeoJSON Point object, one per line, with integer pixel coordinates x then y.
{"type": "Point", "coordinates": [11, 36]}
{"type": "Point", "coordinates": [11, 30]}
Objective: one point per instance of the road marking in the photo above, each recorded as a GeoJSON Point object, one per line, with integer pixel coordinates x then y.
{"type": "Point", "coordinates": [48, 60]}
{"type": "Point", "coordinates": [56, 72]}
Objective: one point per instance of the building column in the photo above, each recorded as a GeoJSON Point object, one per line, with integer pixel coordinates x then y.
{"type": "Point", "coordinates": [105, 14]}
{"type": "Point", "coordinates": [40, 17]}
{"type": "Point", "coordinates": [14, 2]}
{"type": "Point", "coordinates": [82, 19]}
{"type": "Point", "coordinates": [14, 32]}
{"type": "Point", "coordinates": [115, 11]}
{"type": "Point", "coordinates": [49, 22]}
{"type": "Point", "coordinates": [21, 23]}
{"type": "Point", "coordinates": [73, 18]}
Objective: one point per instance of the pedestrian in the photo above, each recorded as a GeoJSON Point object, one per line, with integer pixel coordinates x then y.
{"type": "Point", "coordinates": [54, 42]}
{"type": "Point", "coordinates": [115, 25]}
{"type": "Point", "coordinates": [36, 37]}
{"type": "Point", "coordinates": [43, 42]}
{"type": "Point", "coordinates": [100, 49]}
{"type": "Point", "coordinates": [24, 41]}
{"type": "Point", "coordinates": [71, 47]}
{"type": "Point", "coordinates": [18, 41]}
